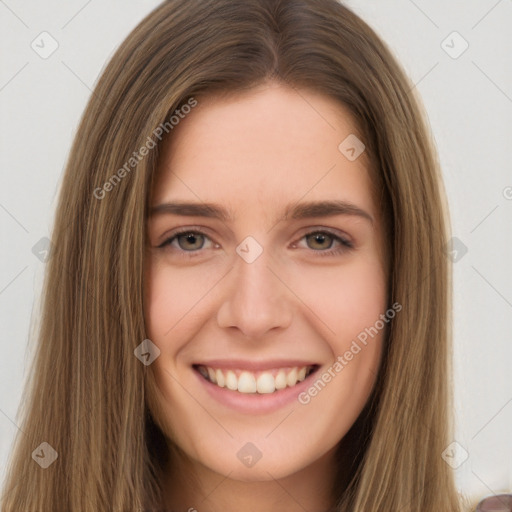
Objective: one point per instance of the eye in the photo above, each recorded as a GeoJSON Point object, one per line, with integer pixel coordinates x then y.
{"type": "Point", "coordinates": [190, 240]}
{"type": "Point", "coordinates": [322, 242]}
{"type": "Point", "coordinates": [187, 240]}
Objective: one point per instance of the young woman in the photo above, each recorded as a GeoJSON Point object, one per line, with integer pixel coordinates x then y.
{"type": "Point", "coordinates": [247, 306]}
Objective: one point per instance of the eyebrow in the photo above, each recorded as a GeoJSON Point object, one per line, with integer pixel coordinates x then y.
{"type": "Point", "coordinates": [294, 211]}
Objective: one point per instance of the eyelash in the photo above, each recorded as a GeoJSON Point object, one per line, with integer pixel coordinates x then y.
{"type": "Point", "coordinates": [345, 245]}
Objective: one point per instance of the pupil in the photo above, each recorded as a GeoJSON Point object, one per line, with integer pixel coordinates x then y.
{"type": "Point", "coordinates": [190, 239]}
{"type": "Point", "coordinates": [319, 238]}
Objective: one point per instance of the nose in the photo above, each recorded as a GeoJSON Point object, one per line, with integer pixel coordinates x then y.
{"type": "Point", "coordinates": [256, 299]}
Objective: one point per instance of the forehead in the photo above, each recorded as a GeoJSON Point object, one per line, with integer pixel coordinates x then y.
{"type": "Point", "coordinates": [258, 150]}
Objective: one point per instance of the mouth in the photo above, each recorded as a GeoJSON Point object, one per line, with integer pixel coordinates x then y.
{"type": "Point", "coordinates": [248, 382]}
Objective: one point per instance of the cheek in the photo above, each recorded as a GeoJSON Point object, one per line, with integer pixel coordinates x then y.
{"type": "Point", "coordinates": [350, 305]}
{"type": "Point", "coordinates": [344, 300]}
{"type": "Point", "coordinates": [157, 301]}
{"type": "Point", "coordinates": [362, 302]}
{"type": "Point", "coordinates": [347, 304]}
{"type": "Point", "coordinates": [173, 296]}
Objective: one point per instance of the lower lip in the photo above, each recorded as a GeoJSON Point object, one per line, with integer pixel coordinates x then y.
{"type": "Point", "coordinates": [255, 403]}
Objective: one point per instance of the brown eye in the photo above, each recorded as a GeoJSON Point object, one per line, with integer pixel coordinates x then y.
{"type": "Point", "coordinates": [190, 241]}
{"type": "Point", "coordinates": [325, 243]}
{"type": "Point", "coordinates": [320, 240]}
{"type": "Point", "coordinates": [186, 241]}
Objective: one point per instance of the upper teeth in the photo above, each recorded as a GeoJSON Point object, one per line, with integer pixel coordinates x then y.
{"type": "Point", "coordinates": [255, 382]}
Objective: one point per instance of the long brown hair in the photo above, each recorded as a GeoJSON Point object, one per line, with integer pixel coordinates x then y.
{"type": "Point", "coordinates": [87, 396]}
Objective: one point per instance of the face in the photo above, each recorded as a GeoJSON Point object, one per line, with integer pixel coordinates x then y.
{"type": "Point", "coordinates": [261, 304]}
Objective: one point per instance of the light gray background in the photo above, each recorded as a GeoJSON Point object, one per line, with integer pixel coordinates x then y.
{"type": "Point", "coordinates": [469, 103]}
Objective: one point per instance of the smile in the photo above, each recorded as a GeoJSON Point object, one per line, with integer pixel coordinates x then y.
{"type": "Point", "coordinates": [250, 382]}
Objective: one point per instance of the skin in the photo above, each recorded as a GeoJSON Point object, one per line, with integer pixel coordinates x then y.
{"type": "Point", "coordinates": [255, 153]}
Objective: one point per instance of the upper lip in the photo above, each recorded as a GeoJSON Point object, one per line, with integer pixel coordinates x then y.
{"type": "Point", "coordinates": [243, 364]}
